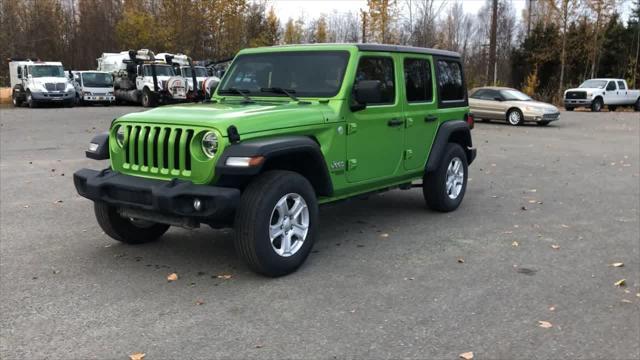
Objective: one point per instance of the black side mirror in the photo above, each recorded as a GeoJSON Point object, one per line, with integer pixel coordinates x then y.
{"type": "Point", "coordinates": [366, 92]}
{"type": "Point", "coordinates": [70, 75]}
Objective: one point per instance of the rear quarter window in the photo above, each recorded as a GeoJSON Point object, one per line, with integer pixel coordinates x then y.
{"type": "Point", "coordinates": [451, 86]}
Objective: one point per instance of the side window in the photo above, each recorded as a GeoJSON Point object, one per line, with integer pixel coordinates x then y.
{"type": "Point", "coordinates": [611, 86]}
{"type": "Point", "coordinates": [417, 78]}
{"type": "Point", "coordinates": [621, 85]}
{"type": "Point", "coordinates": [450, 84]}
{"type": "Point", "coordinates": [379, 68]}
{"type": "Point", "coordinates": [478, 94]}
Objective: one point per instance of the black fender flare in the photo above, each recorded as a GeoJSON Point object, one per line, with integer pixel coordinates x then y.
{"type": "Point", "coordinates": [102, 151]}
{"type": "Point", "coordinates": [454, 129]}
{"type": "Point", "coordinates": [275, 147]}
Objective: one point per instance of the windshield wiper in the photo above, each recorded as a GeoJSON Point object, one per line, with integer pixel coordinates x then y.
{"type": "Point", "coordinates": [241, 92]}
{"type": "Point", "coordinates": [279, 90]}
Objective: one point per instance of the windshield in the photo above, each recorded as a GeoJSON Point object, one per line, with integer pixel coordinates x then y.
{"type": "Point", "coordinates": [161, 70]}
{"type": "Point", "coordinates": [594, 84]}
{"type": "Point", "coordinates": [309, 73]}
{"type": "Point", "coordinates": [97, 80]}
{"type": "Point", "coordinates": [46, 71]}
{"type": "Point", "coordinates": [199, 70]}
{"type": "Point", "coordinates": [514, 95]}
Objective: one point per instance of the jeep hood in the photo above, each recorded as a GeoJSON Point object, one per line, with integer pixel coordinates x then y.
{"type": "Point", "coordinates": [247, 118]}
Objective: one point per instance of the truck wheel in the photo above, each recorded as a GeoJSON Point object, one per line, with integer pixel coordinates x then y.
{"type": "Point", "coordinates": [596, 105]}
{"type": "Point", "coordinates": [515, 117]}
{"type": "Point", "coordinates": [148, 100]}
{"type": "Point", "coordinates": [275, 222]}
{"type": "Point", "coordinates": [30, 102]}
{"type": "Point", "coordinates": [444, 188]}
{"type": "Point", "coordinates": [637, 105]}
{"type": "Point", "coordinates": [17, 102]}
{"type": "Point", "coordinates": [126, 230]}
{"type": "Point", "coordinates": [568, 108]}
{"type": "Point", "coordinates": [612, 108]}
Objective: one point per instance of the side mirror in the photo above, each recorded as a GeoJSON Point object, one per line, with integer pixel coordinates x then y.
{"type": "Point", "coordinates": [70, 76]}
{"type": "Point", "coordinates": [497, 98]}
{"type": "Point", "coordinates": [366, 92]}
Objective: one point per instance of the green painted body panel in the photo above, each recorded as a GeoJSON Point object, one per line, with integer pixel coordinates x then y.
{"type": "Point", "coordinates": [375, 155]}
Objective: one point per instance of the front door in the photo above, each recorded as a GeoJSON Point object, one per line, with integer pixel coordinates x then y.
{"type": "Point", "coordinates": [420, 107]}
{"type": "Point", "coordinates": [375, 135]}
{"type": "Point", "coordinates": [611, 94]}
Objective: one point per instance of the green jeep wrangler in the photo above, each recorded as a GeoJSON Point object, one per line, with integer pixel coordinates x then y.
{"type": "Point", "coordinates": [289, 128]}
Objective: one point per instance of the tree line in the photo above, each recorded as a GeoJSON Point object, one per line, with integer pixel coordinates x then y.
{"type": "Point", "coordinates": [553, 44]}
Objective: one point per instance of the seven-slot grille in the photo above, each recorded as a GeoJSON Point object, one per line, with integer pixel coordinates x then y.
{"type": "Point", "coordinates": [576, 94]}
{"type": "Point", "coordinates": [55, 86]}
{"type": "Point", "coordinates": [155, 148]}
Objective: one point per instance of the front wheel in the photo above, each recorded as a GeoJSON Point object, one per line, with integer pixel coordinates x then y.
{"type": "Point", "coordinates": [515, 117]}
{"type": "Point", "coordinates": [30, 102]}
{"type": "Point", "coordinates": [444, 188]}
{"type": "Point", "coordinates": [127, 230]}
{"type": "Point", "coordinates": [596, 105]}
{"type": "Point", "coordinates": [148, 99]}
{"type": "Point", "coordinates": [275, 223]}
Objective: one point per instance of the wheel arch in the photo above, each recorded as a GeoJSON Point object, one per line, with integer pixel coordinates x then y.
{"type": "Point", "coordinates": [300, 154]}
{"type": "Point", "coordinates": [506, 114]}
{"type": "Point", "coordinates": [454, 131]}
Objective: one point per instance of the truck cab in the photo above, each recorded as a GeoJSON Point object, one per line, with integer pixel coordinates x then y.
{"type": "Point", "coordinates": [206, 83]}
{"type": "Point", "coordinates": [38, 82]}
{"type": "Point", "coordinates": [597, 93]}
{"type": "Point", "coordinates": [93, 87]}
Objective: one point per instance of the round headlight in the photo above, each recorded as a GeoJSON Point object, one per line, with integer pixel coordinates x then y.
{"type": "Point", "coordinates": [210, 144]}
{"type": "Point", "coordinates": [120, 136]}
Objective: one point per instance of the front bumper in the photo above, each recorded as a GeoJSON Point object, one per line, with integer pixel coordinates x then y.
{"type": "Point", "coordinates": [52, 96]}
{"type": "Point", "coordinates": [537, 117]}
{"type": "Point", "coordinates": [577, 102]}
{"type": "Point", "coordinates": [174, 197]}
{"type": "Point", "coordinates": [99, 98]}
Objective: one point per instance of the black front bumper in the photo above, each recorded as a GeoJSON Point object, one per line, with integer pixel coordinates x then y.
{"type": "Point", "coordinates": [174, 197]}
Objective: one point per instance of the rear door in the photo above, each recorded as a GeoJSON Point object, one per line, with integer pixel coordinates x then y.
{"type": "Point", "coordinates": [420, 108]}
{"type": "Point", "coordinates": [375, 135]}
{"type": "Point", "coordinates": [623, 93]}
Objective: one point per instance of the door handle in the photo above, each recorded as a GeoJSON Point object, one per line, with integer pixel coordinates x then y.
{"type": "Point", "coordinates": [395, 122]}
{"type": "Point", "coordinates": [430, 118]}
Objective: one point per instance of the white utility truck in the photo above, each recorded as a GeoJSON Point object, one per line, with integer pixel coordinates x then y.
{"type": "Point", "coordinates": [596, 93]}
{"type": "Point", "coordinates": [39, 82]}
{"type": "Point", "coordinates": [183, 65]}
{"type": "Point", "coordinates": [139, 77]}
{"type": "Point", "coordinates": [93, 87]}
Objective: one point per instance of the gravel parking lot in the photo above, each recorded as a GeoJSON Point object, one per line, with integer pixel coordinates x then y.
{"type": "Point", "coordinates": [547, 211]}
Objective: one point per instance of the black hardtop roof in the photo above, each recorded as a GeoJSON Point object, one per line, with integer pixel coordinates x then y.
{"type": "Point", "coordinates": [406, 49]}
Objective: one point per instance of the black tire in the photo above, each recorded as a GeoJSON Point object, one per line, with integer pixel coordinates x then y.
{"type": "Point", "coordinates": [515, 117]}
{"type": "Point", "coordinates": [569, 108]}
{"type": "Point", "coordinates": [77, 100]}
{"type": "Point", "coordinates": [148, 99]}
{"type": "Point", "coordinates": [543, 123]}
{"type": "Point", "coordinates": [125, 230]}
{"type": "Point", "coordinates": [254, 217]}
{"type": "Point", "coordinates": [596, 105]}
{"type": "Point", "coordinates": [636, 107]}
{"type": "Point", "coordinates": [434, 184]}
{"type": "Point", "coordinates": [30, 102]}
{"type": "Point", "coordinates": [15, 99]}
{"type": "Point", "coordinates": [612, 107]}
{"type": "Point", "coordinates": [69, 104]}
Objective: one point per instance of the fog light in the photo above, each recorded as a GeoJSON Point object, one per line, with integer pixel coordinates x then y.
{"type": "Point", "coordinates": [197, 204]}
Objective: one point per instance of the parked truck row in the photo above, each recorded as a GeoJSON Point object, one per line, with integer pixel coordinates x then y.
{"type": "Point", "coordinates": [133, 77]}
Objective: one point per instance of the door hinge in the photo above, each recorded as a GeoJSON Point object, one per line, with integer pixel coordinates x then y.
{"type": "Point", "coordinates": [352, 164]}
{"type": "Point", "coordinates": [408, 154]}
{"type": "Point", "coordinates": [351, 128]}
{"type": "Point", "coordinates": [408, 123]}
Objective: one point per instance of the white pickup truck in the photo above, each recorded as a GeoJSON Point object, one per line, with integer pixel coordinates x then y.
{"type": "Point", "coordinates": [596, 93]}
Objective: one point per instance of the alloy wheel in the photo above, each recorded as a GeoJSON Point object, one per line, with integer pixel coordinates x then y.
{"type": "Point", "coordinates": [289, 224]}
{"type": "Point", "coordinates": [455, 178]}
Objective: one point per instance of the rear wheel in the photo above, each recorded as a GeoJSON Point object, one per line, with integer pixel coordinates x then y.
{"type": "Point", "coordinates": [127, 230]}
{"type": "Point", "coordinates": [596, 105]}
{"type": "Point", "coordinates": [444, 188]}
{"type": "Point", "coordinates": [275, 223]}
{"type": "Point", "coordinates": [15, 99]}
{"type": "Point", "coordinates": [515, 117]}
{"type": "Point", "coordinates": [612, 107]}
{"type": "Point", "coordinates": [569, 108]}
{"type": "Point", "coordinates": [637, 105]}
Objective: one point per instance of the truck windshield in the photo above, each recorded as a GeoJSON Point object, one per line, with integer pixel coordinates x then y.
{"type": "Point", "coordinates": [305, 73]}
{"type": "Point", "coordinates": [46, 71]}
{"type": "Point", "coordinates": [161, 70]}
{"type": "Point", "coordinates": [97, 80]}
{"type": "Point", "coordinates": [514, 95]}
{"type": "Point", "coordinates": [199, 70]}
{"type": "Point", "coordinates": [600, 84]}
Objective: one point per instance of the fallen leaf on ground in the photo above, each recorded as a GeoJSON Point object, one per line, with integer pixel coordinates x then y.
{"type": "Point", "coordinates": [532, 201]}
{"type": "Point", "coordinates": [533, 190]}
{"type": "Point", "coordinates": [618, 264]}
{"type": "Point", "coordinates": [224, 276]}
{"type": "Point", "coordinates": [620, 283]}
{"type": "Point", "coordinates": [58, 202]}
{"type": "Point", "coordinates": [199, 302]}
{"type": "Point", "coordinates": [555, 247]}
{"type": "Point", "coordinates": [410, 278]}
{"type": "Point", "coordinates": [544, 324]}
{"type": "Point", "coordinates": [565, 226]}
{"type": "Point", "coordinates": [384, 235]}
{"type": "Point", "coordinates": [467, 355]}
{"type": "Point", "coordinates": [461, 260]}
{"type": "Point", "coordinates": [507, 232]}
{"type": "Point", "coordinates": [258, 346]}
{"type": "Point", "coordinates": [515, 244]}
{"type": "Point", "coordinates": [523, 208]}
{"type": "Point", "coordinates": [626, 301]}
{"type": "Point", "coordinates": [137, 356]}
{"type": "Point", "coordinates": [172, 277]}
{"type": "Point", "coordinates": [552, 308]}
{"type": "Point", "coordinates": [26, 206]}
